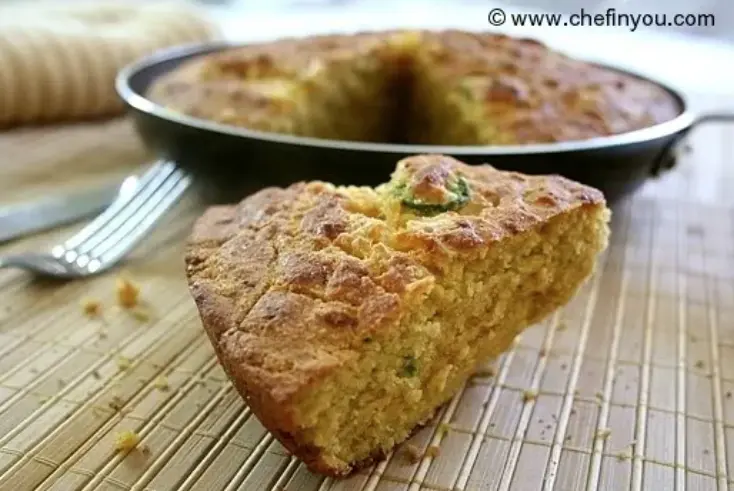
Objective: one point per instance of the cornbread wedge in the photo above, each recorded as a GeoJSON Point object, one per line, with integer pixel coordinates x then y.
{"type": "Point", "coordinates": [346, 316]}
{"type": "Point", "coordinates": [439, 87]}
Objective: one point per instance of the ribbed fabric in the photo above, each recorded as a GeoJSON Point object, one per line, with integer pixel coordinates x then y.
{"type": "Point", "coordinates": [59, 62]}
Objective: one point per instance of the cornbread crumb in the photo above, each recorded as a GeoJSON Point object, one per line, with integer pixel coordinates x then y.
{"type": "Point", "coordinates": [411, 453]}
{"type": "Point", "coordinates": [603, 433]}
{"type": "Point", "coordinates": [127, 293]}
{"type": "Point", "coordinates": [126, 440]}
{"type": "Point", "coordinates": [161, 383]}
{"type": "Point", "coordinates": [91, 307]}
{"type": "Point", "coordinates": [123, 363]}
{"type": "Point", "coordinates": [433, 451]}
{"type": "Point", "coordinates": [529, 395]}
{"type": "Point", "coordinates": [562, 326]}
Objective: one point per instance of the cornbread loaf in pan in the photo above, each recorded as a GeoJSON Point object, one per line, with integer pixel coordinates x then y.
{"type": "Point", "coordinates": [423, 87]}
{"type": "Point", "coordinates": [345, 316]}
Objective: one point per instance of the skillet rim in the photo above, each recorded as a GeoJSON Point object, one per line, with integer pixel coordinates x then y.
{"type": "Point", "coordinates": [177, 54]}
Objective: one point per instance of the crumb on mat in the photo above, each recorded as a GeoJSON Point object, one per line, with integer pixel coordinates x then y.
{"type": "Point", "coordinates": [123, 363]}
{"type": "Point", "coordinates": [529, 395]}
{"type": "Point", "coordinates": [161, 383]}
{"type": "Point", "coordinates": [127, 293]}
{"type": "Point", "coordinates": [91, 307]}
{"type": "Point", "coordinates": [126, 440]}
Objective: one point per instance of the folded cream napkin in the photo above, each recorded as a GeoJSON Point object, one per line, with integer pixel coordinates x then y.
{"type": "Point", "coordinates": [59, 61]}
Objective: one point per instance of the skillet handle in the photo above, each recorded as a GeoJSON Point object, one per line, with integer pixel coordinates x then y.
{"type": "Point", "coordinates": [725, 116]}
{"type": "Point", "coordinates": [666, 160]}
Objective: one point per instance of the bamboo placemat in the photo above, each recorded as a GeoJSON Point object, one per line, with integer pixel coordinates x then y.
{"type": "Point", "coordinates": [628, 387]}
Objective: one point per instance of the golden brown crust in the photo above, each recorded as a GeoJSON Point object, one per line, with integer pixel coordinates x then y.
{"type": "Point", "coordinates": [536, 94]}
{"type": "Point", "coordinates": [231, 86]}
{"type": "Point", "coordinates": [529, 92]}
{"type": "Point", "coordinates": [289, 282]}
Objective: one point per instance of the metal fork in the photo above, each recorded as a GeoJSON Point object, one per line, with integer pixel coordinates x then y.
{"type": "Point", "coordinates": [110, 236]}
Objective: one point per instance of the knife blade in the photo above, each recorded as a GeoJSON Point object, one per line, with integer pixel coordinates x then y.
{"type": "Point", "coordinates": [22, 219]}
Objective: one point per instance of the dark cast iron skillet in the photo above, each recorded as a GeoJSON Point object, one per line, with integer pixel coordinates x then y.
{"type": "Point", "coordinates": [230, 162]}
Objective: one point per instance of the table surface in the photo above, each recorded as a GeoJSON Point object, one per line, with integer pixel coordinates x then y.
{"type": "Point", "coordinates": [634, 378]}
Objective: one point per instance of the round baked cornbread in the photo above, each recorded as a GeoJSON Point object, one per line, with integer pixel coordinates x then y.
{"type": "Point", "coordinates": [431, 87]}
{"type": "Point", "coordinates": [345, 316]}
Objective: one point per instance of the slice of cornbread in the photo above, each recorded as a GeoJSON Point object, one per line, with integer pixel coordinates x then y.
{"type": "Point", "coordinates": [346, 316]}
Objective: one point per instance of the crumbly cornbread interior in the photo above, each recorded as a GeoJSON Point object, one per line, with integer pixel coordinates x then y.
{"type": "Point", "coordinates": [472, 313]}
{"type": "Point", "coordinates": [347, 315]}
